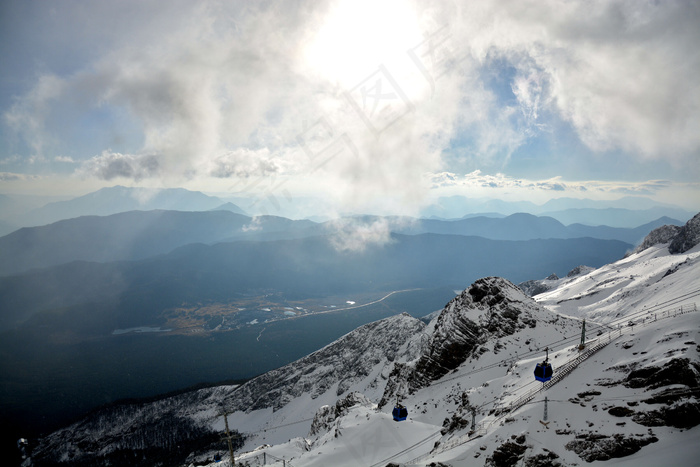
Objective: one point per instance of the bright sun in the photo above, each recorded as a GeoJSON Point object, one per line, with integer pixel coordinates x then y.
{"type": "Point", "coordinates": [359, 35]}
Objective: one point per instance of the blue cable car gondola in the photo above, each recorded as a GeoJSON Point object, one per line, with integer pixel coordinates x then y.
{"type": "Point", "coordinates": [544, 370]}
{"type": "Point", "coordinates": [400, 412]}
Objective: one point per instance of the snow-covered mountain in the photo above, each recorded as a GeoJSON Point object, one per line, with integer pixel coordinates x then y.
{"type": "Point", "coordinates": [537, 286]}
{"type": "Point", "coordinates": [627, 394]}
{"type": "Point", "coordinates": [679, 240]}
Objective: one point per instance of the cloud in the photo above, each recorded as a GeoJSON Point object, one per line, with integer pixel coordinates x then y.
{"type": "Point", "coordinates": [66, 159]}
{"type": "Point", "coordinates": [622, 73]}
{"type": "Point", "coordinates": [110, 165]}
{"type": "Point", "coordinates": [356, 235]}
{"type": "Point", "coordinates": [244, 163]}
{"type": "Point", "coordinates": [551, 186]}
{"type": "Point", "coordinates": [28, 114]}
{"type": "Point", "coordinates": [648, 187]}
{"type": "Point", "coordinates": [15, 177]}
{"type": "Point", "coordinates": [232, 94]}
{"type": "Point", "coordinates": [485, 183]}
{"type": "Point", "coordinates": [231, 91]}
{"type": "Point", "coordinates": [254, 225]}
{"type": "Point", "coordinates": [13, 159]}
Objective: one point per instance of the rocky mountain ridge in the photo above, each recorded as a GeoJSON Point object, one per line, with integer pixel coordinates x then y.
{"type": "Point", "coordinates": [360, 365]}
{"type": "Point", "coordinates": [490, 309]}
{"type": "Point", "coordinates": [475, 357]}
{"type": "Point", "coordinates": [357, 361]}
{"type": "Point", "coordinates": [680, 239]}
{"type": "Point", "coordinates": [537, 286]}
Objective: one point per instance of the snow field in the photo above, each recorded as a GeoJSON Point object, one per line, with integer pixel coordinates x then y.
{"type": "Point", "coordinates": [650, 346]}
{"type": "Point", "coordinates": [639, 286]}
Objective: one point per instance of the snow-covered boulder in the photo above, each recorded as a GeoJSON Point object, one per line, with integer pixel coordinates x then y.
{"type": "Point", "coordinates": [327, 415]}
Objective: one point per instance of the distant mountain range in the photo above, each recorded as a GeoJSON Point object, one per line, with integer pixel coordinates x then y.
{"type": "Point", "coordinates": [117, 199]}
{"type": "Point", "coordinates": [133, 235]}
{"type": "Point", "coordinates": [521, 226]}
{"type": "Point", "coordinates": [23, 211]}
{"type": "Point", "coordinates": [616, 217]}
{"type": "Point", "coordinates": [630, 211]}
{"type": "Point", "coordinates": [127, 294]}
{"type": "Point", "coordinates": [137, 234]}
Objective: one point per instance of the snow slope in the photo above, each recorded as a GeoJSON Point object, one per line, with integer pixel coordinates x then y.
{"type": "Point", "coordinates": [467, 381]}
{"type": "Point", "coordinates": [635, 287]}
{"type": "Point", "coordinates": [579, 426]}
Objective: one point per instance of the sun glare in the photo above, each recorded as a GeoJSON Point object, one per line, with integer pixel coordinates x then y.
{"type": "Point", "coordinates": [357, 36]}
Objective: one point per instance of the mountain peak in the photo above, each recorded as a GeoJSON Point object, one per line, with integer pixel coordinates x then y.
{"type": "Point", "coordinates": [680, 239]}
{"type": "Point", "coordinates": [687, 237]}
{"type": "Point", "coordinates": [490, 308]}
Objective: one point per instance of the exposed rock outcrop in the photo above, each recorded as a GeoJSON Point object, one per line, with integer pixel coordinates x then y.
{"type": "Point", "coordinates": [346, 361]}
{"type": "Point", "coordinates": [534, 287]}
{"type": "Point", "coordinates": [680, 239]}
{"type": "Point", "coordinates": [680, 409]}
{"type": "Point", "coordinates": [580, 270]}
{"type": "Point", "coordinates": [684, 413]}
{"type": "Point", "coordinates": [508, 454]}
{"type": "Point", "coordinates": [490, 308]}
{"type": "Point", "coordinates": [598, 447]}
{"type": "Point", "coordinates": [328, 414]}
{"type": "Point", "coordinates": [687, 237]}
{"type": "Point", "coordinates": [663, 234]}
{"type": "Point", "coordinates": [537, 286]}
{"type": "Point", "coordinates": [675, 371]}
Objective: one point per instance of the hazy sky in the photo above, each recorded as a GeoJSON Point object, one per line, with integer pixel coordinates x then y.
{"type": "Point", "coordinates": [374, 105]}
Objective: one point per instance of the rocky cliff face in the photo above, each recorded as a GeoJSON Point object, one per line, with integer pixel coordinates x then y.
{"type": "Point", "coordinates": [489, 309]}
{"type": "Point", "coordinates": [346, 362]}
{"type": "Point", "coordinates": [687, 237]}
{"type": "Point", "coordinates": [680, 239]}
{"type": "Point", "coordinates": [328, 414]}
{"type": "Point", "coordinates": [663, 234]}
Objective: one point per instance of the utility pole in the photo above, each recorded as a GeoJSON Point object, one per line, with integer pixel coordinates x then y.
{"type": "Point", "coordinates": [228, 438]}
{"type": "Point", "coordinates": [582, 345]}
{"type": "Point", "coordinates": [544, 422]}
{"type": "Point", "coordinates": [473, 419]}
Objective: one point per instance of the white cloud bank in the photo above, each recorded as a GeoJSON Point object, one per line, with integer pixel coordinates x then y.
{"type": "Point", "coordinates": [363, 98]}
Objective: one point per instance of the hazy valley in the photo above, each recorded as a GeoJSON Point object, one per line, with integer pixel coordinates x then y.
{"type": "Point", "coordinates": [628, 389]}
{"type": "Point", "coordinates": [140, 303]}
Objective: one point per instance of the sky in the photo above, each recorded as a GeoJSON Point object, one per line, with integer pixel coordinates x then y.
{"type": "Point", "coordinates": [372, 106]}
